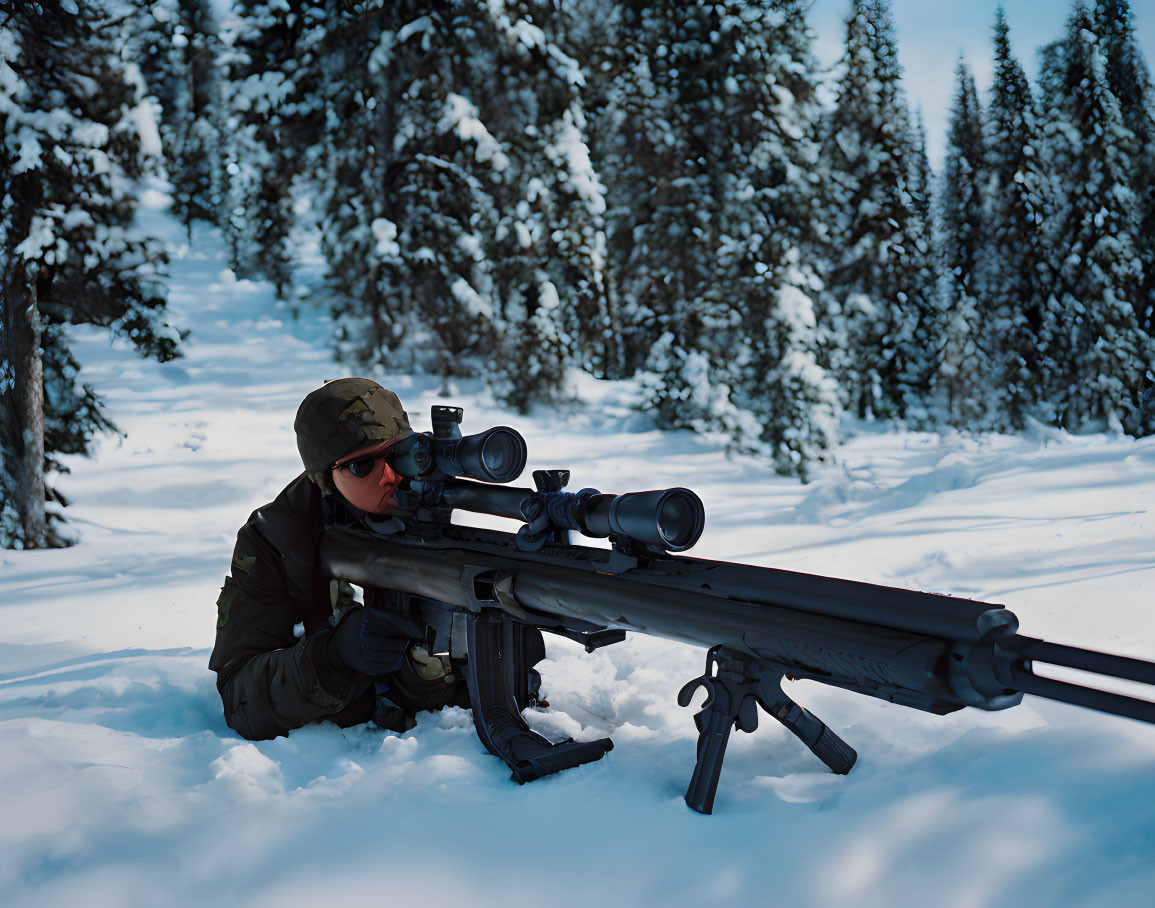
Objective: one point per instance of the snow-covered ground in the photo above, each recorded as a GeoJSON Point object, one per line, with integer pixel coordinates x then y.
{"type": "Point", "coordinates": [122, 786]}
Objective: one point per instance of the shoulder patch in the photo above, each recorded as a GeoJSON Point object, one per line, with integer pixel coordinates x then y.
{"type": "Point", "coordinates": [228, 596]}
{"type": "Point", "coordinates": [245, 563]}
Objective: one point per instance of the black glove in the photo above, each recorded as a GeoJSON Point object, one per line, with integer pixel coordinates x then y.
{"type": "Point", "coordinates": [406, 678]}
{"type": "Point", "coordinates": [371, 641]}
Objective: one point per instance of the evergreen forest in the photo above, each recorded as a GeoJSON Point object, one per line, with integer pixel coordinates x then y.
{"type": "Point", "coordinates": [670, 191]}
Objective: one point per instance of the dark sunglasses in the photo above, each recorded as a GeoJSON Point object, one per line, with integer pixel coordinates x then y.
{"type": "Point", "coordinates": [408, 457]}
{"type": "Point", "coordinates": [363, 466]}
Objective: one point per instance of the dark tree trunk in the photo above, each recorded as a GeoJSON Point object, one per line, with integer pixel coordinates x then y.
{"type": "Point", "coordinates": [29, 392]}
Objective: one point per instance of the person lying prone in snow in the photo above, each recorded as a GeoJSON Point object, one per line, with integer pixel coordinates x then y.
{"type": "Point", "coordinates": [352, 663]}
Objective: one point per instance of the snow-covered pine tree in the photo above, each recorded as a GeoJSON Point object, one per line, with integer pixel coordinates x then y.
{"type": "Point", "coordinates": [879, 243]}
{"type": "Point", "coordinates": [925, 349]}
{"type": "Point", "coordinates": [462, 214]}
{"type": "Point", "coordinates": [417, 195]}
{"type": "Point", "coordinates": [1014, 280]}
{"type": "Point", "coordinates": [274, 112]}
{"type": "Point", "coordinates": [398, 216]}
{"type": "Point", "coordinates": [409, 208]}
{"type": "Point", "coordinates": [706, 142]}
{"type": "Point", "coordinates": [1099, 355]}
{"type": "Point", "coordinates": [922, 185]}
{"type": "Point", "coordinates": [641, 142]}
{"type": "Point", "coordinates": [1130, 82]}
{"type": "Point", "coordinates": [548, 250]}
{"type": "Point", "coordinates": [956, 332]}
{"type": "Point", "coordinates": [68, 255]}
{"type": "Point", "coordinates": [177, 45]}
{"type": "Point", "coordinates": [771, 233]}
{"type": "Point", "coordinates": [681, 237]}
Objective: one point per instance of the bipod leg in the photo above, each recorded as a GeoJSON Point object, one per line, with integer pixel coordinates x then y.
{"type": "Point", "coordinates": [731, 701]}
{"type": "Point", "coordinates": [736, 686]}
{"type": "Point", "coordinates": [497, 665]}
{"type": "Point", "coordinates": [807, 727]}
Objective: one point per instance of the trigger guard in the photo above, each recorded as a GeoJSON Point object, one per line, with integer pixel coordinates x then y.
{"type": "Point", "coordinates": [686, 694]}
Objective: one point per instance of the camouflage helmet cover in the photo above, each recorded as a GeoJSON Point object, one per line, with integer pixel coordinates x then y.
{"type": "Point", "coordinates": [341, 416]}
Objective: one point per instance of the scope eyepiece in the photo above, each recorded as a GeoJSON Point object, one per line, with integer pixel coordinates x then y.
{"type": "Point", "coordinates": [412, 457]}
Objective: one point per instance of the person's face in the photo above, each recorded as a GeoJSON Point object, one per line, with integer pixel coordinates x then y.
{"type": "Point", "coordinates": [365, 479]}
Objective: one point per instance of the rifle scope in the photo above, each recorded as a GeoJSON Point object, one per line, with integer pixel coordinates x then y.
{"type": "Point", "coordinates": [670, 519]}
{"type": "Point", "coordinates": [441, 464]}
{"type": "Point", "coordinates": [495, 455]}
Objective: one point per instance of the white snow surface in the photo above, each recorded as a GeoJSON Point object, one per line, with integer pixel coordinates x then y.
{"type": "Point", "coordinates": [123, 786]}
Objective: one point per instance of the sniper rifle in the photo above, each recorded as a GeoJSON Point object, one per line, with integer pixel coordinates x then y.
{"type": "Point", "coordinates": [485, 596]}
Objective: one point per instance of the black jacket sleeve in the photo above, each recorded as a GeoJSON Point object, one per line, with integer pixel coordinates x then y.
{"type": "Point", "coordinates": [271, 680]}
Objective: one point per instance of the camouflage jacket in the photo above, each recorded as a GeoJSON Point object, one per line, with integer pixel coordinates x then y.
{"type": "Point", "coordinates": [273, 621]}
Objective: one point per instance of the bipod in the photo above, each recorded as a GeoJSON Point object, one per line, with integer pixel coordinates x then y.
{"type": "Point", "coordinates": [736, 686]}
{"type": "Point", "coordinates": [500, 657]}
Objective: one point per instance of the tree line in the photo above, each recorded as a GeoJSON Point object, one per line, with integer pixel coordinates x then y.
{"type": "Point", "coordinates": [658, 189]}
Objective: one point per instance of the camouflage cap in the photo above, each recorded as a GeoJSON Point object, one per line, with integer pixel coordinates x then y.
{"type": "Point", "coordinates": [342, 416]}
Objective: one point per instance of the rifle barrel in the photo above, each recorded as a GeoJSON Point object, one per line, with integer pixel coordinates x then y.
{"type": "Point", "coordinates": [1083, 659]}
{"type": "Point", "coordinates": [1076, 694]}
